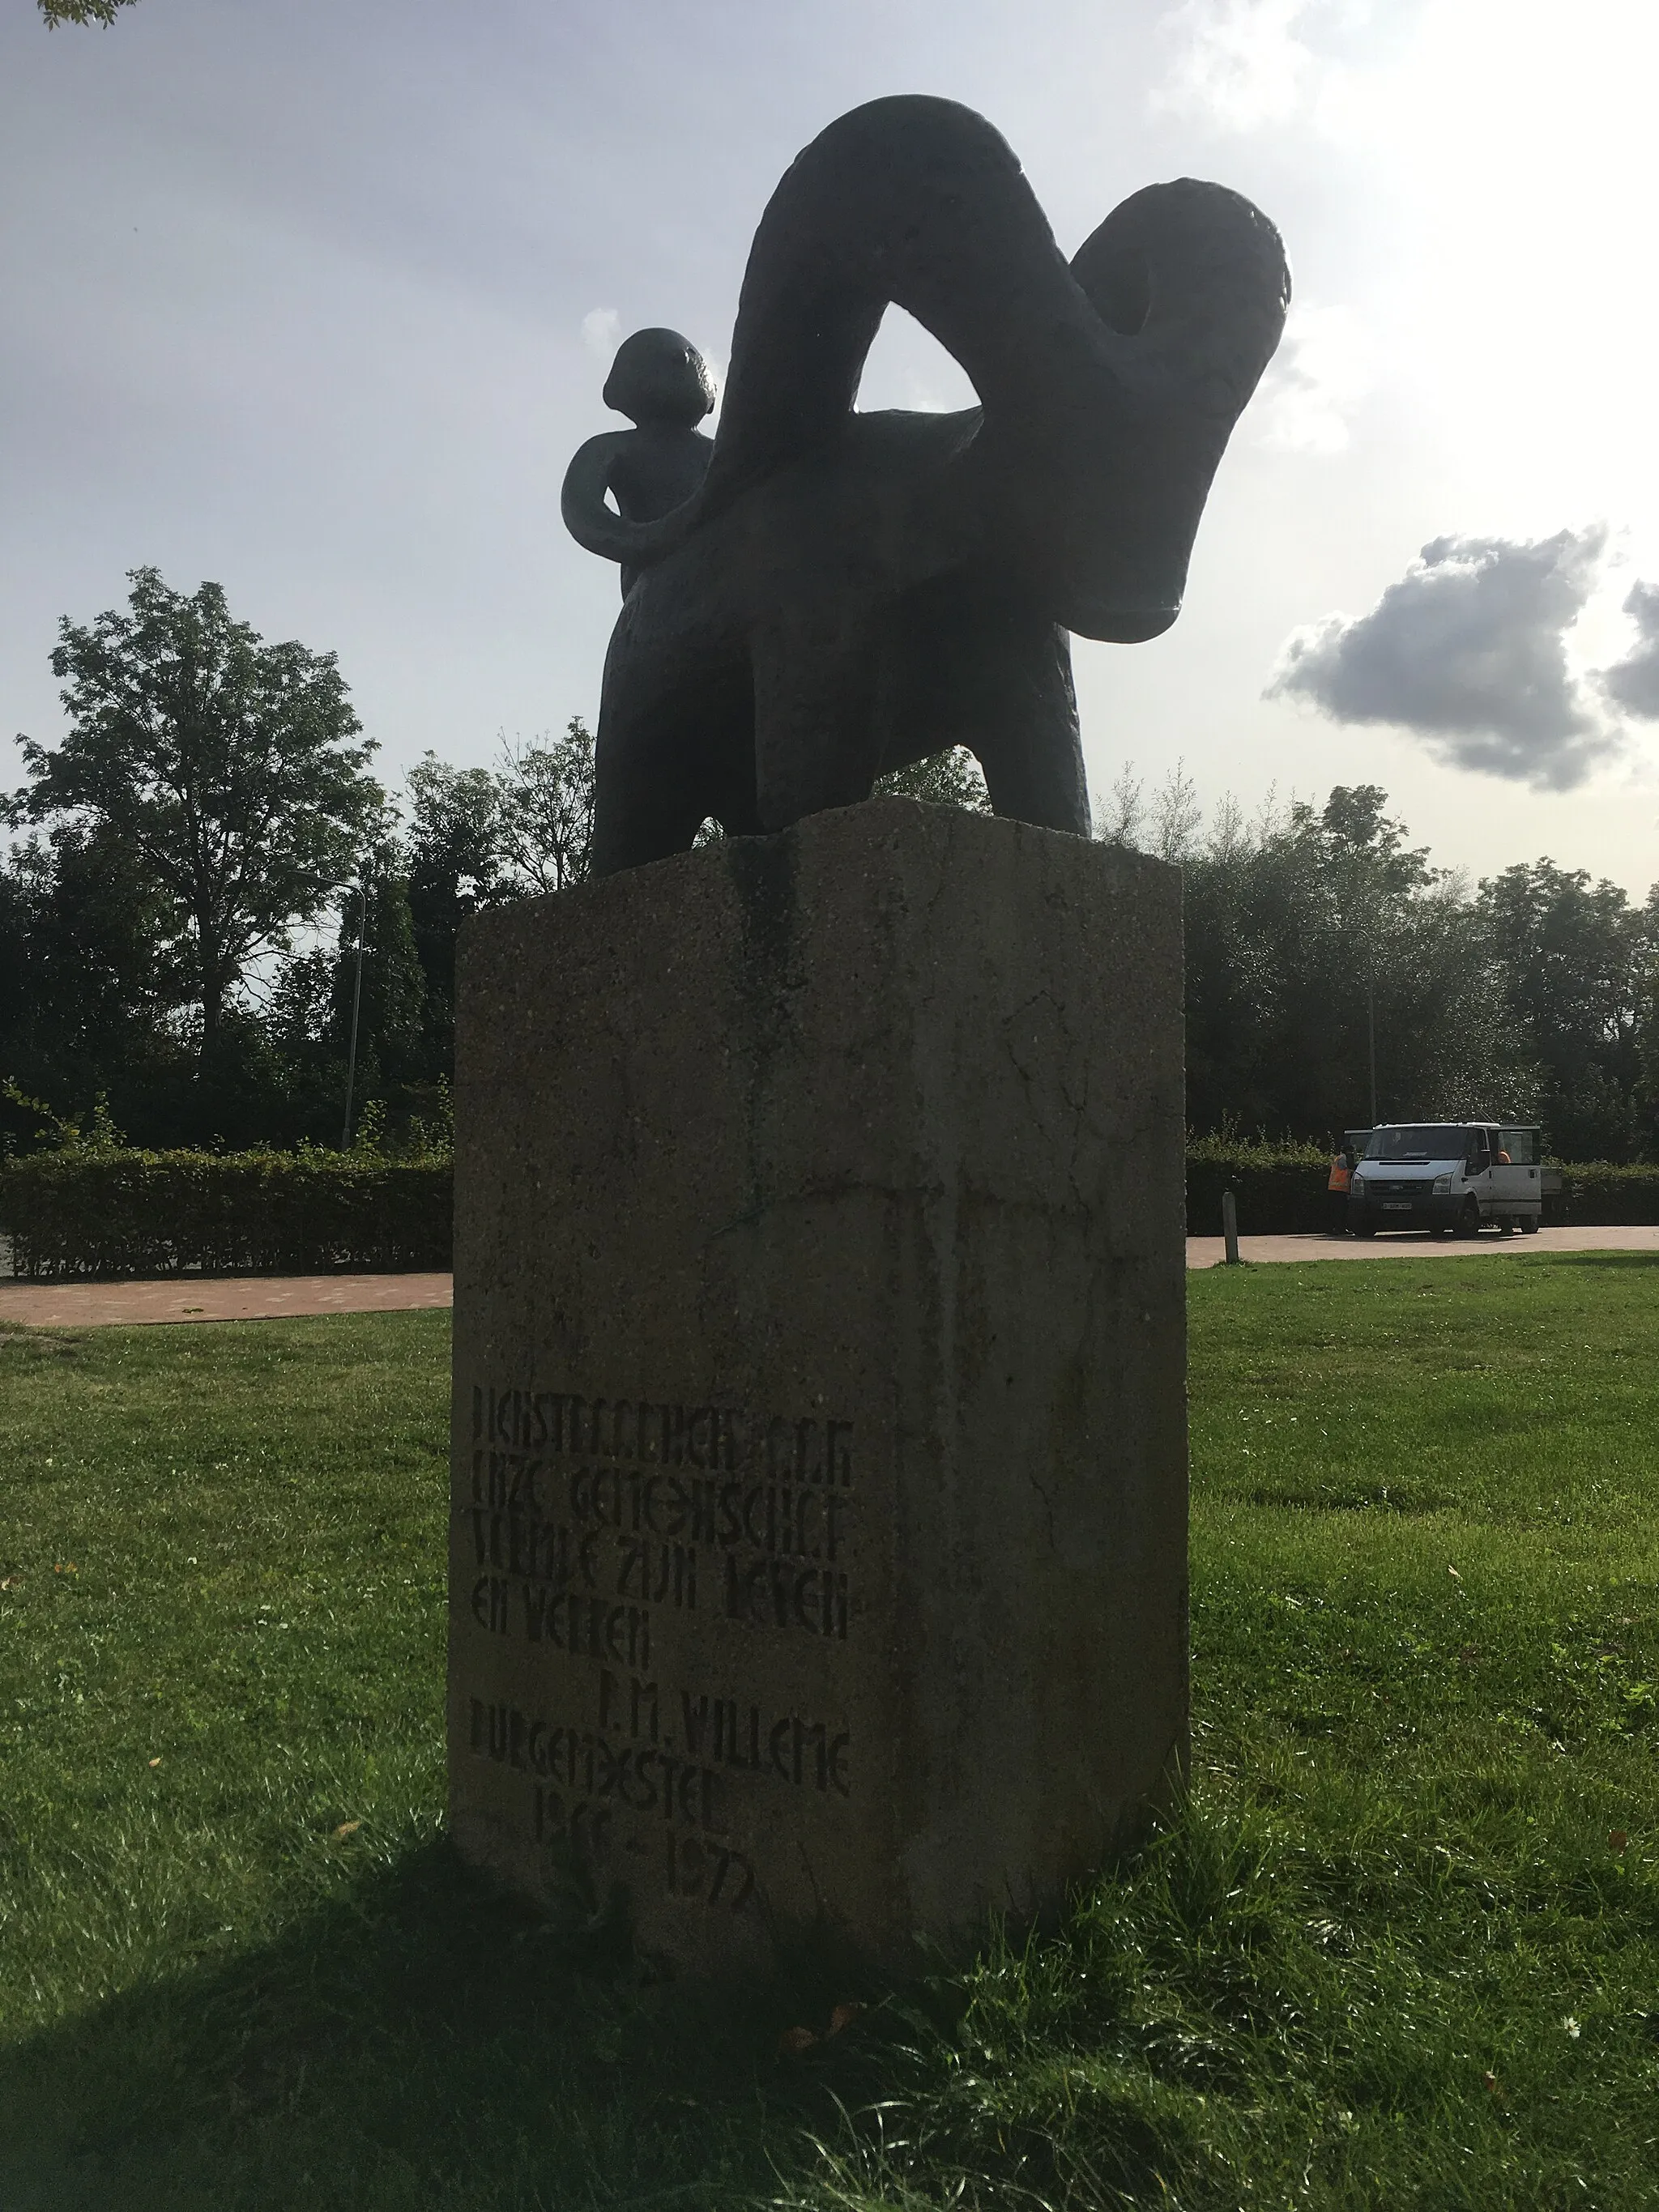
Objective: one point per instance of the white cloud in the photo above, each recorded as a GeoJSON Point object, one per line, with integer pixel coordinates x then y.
{"type": "Point", "coordinates": [1633, 683]}
{"type": "Point", "coordinates": [1467, 651]}
{"type": "Point", "coordinates": [602, 332]}
{"type": "Point", "coordinates": [1236, 62]}
{"type": "Point", "coordinates": [1321, 373]}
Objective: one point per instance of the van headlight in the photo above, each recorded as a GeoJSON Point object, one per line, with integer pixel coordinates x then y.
{"type": "Point", "coordinates": [1443, 1186]}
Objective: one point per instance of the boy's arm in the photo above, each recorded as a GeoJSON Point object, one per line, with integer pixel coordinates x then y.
{"type": "Point", "coordinates": [582, 502]}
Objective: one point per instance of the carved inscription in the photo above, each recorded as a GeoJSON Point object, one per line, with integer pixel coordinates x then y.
{"type": "Point", "coordinates": [590, 1523]}
{"type": "Point", "coordinates": [595, 1510]}
{"type": "Point", "coordinates": [601, 1790]}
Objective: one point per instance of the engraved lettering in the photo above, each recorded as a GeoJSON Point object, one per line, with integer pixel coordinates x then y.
{"type": "Point", "coordinates": [694, 1720]}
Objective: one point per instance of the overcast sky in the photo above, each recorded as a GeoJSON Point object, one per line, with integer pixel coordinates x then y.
{"type": "Point", "coordinates": [315, 298]}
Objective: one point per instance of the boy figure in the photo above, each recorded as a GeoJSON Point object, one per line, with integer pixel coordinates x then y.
{"type": "Point", "coordinates": [661, 383]}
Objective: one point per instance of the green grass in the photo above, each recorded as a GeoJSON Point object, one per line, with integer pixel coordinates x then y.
{"type": "Point", "coordinates": [1403, 1949]}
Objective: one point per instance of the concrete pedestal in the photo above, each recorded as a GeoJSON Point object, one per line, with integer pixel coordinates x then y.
{"type": "Point", "coordinates": [818, 1552]}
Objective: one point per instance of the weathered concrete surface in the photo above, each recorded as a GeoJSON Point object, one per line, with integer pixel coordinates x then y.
{"type": "Point", "coordinates": [820, 1523]}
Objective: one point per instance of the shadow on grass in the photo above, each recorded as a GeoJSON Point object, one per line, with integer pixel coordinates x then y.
{"type": "Point", "coordinates": [420, 2041]}
{"type": "Point", "coordinates": [1623, 1263]}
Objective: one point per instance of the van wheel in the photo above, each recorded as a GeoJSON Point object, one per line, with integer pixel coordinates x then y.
{"type": "Point", "coordinates": [1530, 1226]}
{"type": "Point", "coordinates": [1468, 1219]}
{"type": "Point", "coordinates": [1363, 1228]}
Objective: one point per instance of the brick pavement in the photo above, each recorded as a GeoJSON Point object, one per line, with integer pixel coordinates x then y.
{"type": "Point", "coordinates": [275, 1297]}
{"type": "Point", "coordinates": [234, 1298]}
{"type": "Point", "coordinates": [1209, 1252]}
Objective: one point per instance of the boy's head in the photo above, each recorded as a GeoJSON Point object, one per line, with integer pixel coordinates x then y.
{"type": "Point", "coordinates": [658, 377]}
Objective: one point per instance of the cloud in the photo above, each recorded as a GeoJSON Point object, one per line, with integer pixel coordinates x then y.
{"type": "Point", "coordinates": [602, 331]}
{"type": "Point", "coordinates": [1237, 63]}
{"type": "Point", "coordinates": [1467, 651]}
{"type": "Point", "coordinates": [1633, 681]}
{"type": "Point", "coordinates": [1319, 375]}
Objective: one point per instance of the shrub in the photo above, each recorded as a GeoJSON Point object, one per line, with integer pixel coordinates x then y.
{"type": "Point", "coordinates": [95, 1210]}
{"type": "Point", "coordinates": [1599, 1195]}
{"type": "Point", "coordinates": [1280, 1189]}
{"type": "Point", "coordinates": [120, 1213]}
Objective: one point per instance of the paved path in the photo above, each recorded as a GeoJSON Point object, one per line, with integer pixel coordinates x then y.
{"type": "Point", "coordinates": [234, 1298]}
{"type": "Point", "coordinates": [269, 1297]}
{"type": "Point", "coordinates": [1209, 1251]}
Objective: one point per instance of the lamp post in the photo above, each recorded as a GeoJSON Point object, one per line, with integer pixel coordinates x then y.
{"type": "Point", "coordinates": [356, 1008]}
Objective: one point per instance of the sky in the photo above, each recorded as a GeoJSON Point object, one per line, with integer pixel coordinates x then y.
{"type": "Point", "coordinates": [316, 300]}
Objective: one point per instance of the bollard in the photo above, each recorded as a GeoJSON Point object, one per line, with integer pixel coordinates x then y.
{"type": "Point", "coordinates": [1229, 1226]}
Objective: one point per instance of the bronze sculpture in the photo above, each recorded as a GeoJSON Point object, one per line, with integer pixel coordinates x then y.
{"type": "Point", "coordinates": [818, 595]}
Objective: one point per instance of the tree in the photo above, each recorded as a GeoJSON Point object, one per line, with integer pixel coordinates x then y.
{"type": "Point", "coordinates": [457, 867]}
{"type": "Point", "coordinates": [1119, 814]}
{"type": "Point", "coordinates": [1177, 817]}
{"type": "Point", "coordinates": [546, 819]}
{"type": "Point", "coordinates": [951, 778]}
{"type": "Point", "coordinates": [1297, 928]}
{"type": "Point", "coordinates": [1647, 1025]}
{"type": "Point", "coordinates": [1571, 959]}
{"type": "Point", "coordinates": [390, 1007]}
{"type": "Point", "coordinates": [90, 998]}
{"type": "Point", "coordinates": [81, 11]}
{"type": "Point", "coordinates": [226, 769]}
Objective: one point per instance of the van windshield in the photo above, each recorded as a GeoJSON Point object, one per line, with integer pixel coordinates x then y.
{"type": "Point", "coordinates": [1431, 1142]}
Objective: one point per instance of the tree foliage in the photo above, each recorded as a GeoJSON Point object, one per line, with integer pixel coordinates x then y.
{"type": "Point", "coordinates": [81, 11]}
{"type": "Point", "coordinates": [1317, 936]}
{"type": "Point", "coordinates": [225, 770]}
{"type": "Point", "coordinates": [1311, 931]}
{"type": "Point", "coordinates": [947, 779]}
{"type": "Point", "coordinates": [1575, 962]}
{"type": "Point", "coordinates": [546, 817]}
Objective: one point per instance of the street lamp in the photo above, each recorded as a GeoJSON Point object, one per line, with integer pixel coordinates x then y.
{"type": "Point", "coordinates": [356, 1008]}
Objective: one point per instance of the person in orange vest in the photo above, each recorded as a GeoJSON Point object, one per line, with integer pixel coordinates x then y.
{"type": "Point", "coordinates": [1336, 1187]}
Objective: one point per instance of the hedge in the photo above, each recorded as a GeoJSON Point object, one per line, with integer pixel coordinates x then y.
{"type": "Point", "coordinates": [117, 1212]}
{"type": "Point", "coordinates": [1600, 1195]}
{"type": "Point", "coordinates": [109, 1213]}
{"type": "Point", "coordinates": [1280, 1189]}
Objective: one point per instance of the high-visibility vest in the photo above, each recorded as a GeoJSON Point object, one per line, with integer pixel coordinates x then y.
{"type": "Point", "coordinates": [1341, 1174]}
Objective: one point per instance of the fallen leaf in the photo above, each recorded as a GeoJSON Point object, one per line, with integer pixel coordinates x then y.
{"type": "Point", "coordinates": [348, 1827]}
{"type": "Point", "coordinates": [1453, 1572]}
{"type": "Point", "coordinates": [795, 2040]}
{"type": "Point", "coordinates": [843, 2016]}
{"type": "Point", "coordinates": [156, 1762]}
{"type": "Point", "coordinates": [1617, 1840]}
{"type": "Point", "coordinates": [12, 1581]}
{"type": "Point", "coordinates": [1491, 2081]}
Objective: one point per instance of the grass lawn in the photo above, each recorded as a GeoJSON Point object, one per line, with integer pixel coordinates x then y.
{"type": "Point", "coordinates": [1403, 1949]}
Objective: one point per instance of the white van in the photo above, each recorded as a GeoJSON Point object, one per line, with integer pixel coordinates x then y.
{"type": "Point", "coordinates": [1449, 1177]}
